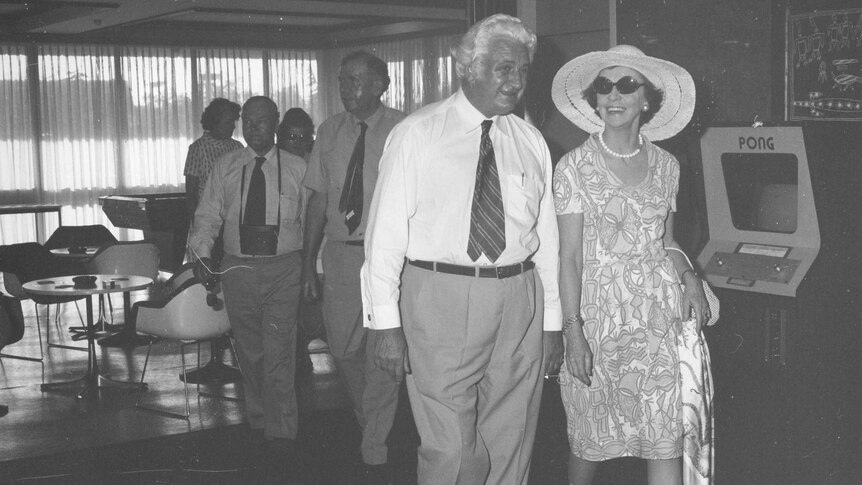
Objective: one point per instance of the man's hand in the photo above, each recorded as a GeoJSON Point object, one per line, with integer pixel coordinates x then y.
{"type": "Point", "coordinates": [552, 357]}
{"type": "Point", "coordinates": [311, 286]}
{"type": "Point", "coordinates": [203, 271]}
{"type": "Point", "coordinates": [390, 352]}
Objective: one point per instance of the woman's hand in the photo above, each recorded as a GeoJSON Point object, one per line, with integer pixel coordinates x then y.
{"type": "Point", "coordinates": [694, 299]}
{"type": "Point", "coordinates": [579, 356]}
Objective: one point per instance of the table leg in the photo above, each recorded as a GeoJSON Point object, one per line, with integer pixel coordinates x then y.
{"type": "Point", "coordinates": [127, 336]}
{"type": "Point", "coordinates": [92, 380]}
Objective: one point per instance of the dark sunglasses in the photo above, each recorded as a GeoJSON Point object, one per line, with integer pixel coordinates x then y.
{"type": "Point", "coordinates": [625, 85]}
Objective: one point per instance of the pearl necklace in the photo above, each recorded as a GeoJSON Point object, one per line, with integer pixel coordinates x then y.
{"type": "Point", "coordinates": [622, 155]}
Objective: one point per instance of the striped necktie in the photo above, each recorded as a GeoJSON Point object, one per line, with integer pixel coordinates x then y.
{"type": "Point", "coordinates": [487, 219]}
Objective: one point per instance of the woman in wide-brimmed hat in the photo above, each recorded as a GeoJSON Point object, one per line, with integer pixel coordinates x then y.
{"type": "Point", "coordinates": [620, 285]}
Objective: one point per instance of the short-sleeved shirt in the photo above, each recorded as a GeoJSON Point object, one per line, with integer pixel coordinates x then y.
{"type": "Point", "coordinates": [203, 153]}
{"type": "Point", "coordinates": [226, 193]}
{"type": "Point", "coordinates": [330, 157]}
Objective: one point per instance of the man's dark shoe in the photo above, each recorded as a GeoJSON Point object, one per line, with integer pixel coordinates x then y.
{"type": "Point", "coordinates": [4, 410]}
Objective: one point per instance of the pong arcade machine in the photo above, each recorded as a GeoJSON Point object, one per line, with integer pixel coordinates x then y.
{"type": "Point", "coordinates": [763, 229]}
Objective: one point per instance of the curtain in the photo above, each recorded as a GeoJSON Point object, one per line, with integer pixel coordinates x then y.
{"type": "Point", "coordinates": [18, 168]}
{"type": "Point", "coordinates": [421, 71]}
{"type": "Point", "coordinates": [79, 147]}
{"type": "Point", "coordinates": [82, 121]}
{"type": "Point", "coordinates": [234, 74]}
{"type": "Point", "coordinates": [293, 82]}
{"type": "Point", "coordinates": [159, 119]}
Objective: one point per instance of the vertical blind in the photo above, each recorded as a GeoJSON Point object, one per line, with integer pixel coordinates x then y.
{"type": "Point", "coordinates": [83, 121]}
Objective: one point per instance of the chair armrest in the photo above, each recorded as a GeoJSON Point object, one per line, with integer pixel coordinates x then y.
{"type": "Point", "coordinates": [12, 286]}
{"type": "Point", "coordinates": [186, 316]}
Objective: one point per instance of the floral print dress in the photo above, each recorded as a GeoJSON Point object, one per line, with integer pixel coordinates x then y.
{"type": "Point", "coordinates": [630, 302]}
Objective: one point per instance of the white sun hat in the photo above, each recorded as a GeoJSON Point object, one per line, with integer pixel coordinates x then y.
{"type": "Point", "coordinates": [674, 81]}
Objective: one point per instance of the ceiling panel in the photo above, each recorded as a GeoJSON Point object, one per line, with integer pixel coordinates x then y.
{"type": "Point", "coordinates": [301, 22]}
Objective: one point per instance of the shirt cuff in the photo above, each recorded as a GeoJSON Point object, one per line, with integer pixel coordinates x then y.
{"type": "Point", "coordinates": [384, 317]}
{"type": "Point", "coordinates": [553, 319]}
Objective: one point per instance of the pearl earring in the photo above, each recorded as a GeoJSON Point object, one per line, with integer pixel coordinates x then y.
{"type": "Point", "coordinates": [646, 107]}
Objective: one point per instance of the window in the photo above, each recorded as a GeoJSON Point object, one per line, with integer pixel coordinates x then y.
{"type": "Point", "coordinates": [119, 120]}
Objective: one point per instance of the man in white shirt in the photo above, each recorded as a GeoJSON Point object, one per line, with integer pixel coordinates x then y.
{"type": "Point", "coordinates": [256, 196]}
{"type": "Point", "coordinates": [464, 194]}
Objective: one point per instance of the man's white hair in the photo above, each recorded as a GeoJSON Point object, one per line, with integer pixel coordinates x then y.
{"type": "Point", "coordinates": [475, 43]}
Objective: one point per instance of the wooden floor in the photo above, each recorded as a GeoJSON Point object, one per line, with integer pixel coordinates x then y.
{"type": "Point", "coordinates": [770, 427]}
{"type": "Point", "coordinates": [56, 422]}
{"type": "Point", "coordinates": [47, 435]}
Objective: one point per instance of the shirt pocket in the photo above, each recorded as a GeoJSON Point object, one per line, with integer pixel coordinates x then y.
{"type": "Point", "coordinates": [291, 209]}
{"type": "Point", "coordinates": [524, 195]}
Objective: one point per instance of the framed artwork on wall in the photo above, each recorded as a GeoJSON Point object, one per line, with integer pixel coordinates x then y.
{"type": "Point", "coordinates": [824, 65]}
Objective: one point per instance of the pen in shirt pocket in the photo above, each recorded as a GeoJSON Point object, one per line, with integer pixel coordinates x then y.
{"type": "Point", "coordinates": [523, 177]}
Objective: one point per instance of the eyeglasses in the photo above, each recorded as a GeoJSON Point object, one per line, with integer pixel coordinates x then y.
{"type": "Point", "coordinates": [625, 85]}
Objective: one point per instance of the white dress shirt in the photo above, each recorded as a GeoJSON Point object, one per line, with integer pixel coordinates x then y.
{"type": "Point", "coordinates": [221, 204]}
{"type": "Point", "coordinates": [424, 193]}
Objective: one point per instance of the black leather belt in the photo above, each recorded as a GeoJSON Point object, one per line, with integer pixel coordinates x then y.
{"type": "Point", "coordinates": [355, 242]}
{"type": "Point", "coordinates": [498, 272]}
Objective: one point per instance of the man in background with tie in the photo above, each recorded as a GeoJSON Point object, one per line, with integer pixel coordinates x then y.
{"type": "Point", "coordinates": [256, 196]}
{"type": "Point", "coordinates": [341, 174]}
{"type": "Point", "coordinates": [464, 195]}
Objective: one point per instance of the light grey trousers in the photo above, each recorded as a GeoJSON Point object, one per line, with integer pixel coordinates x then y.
{"type": "Point", "coordinates": [475, 348]}
{"type": "Point", "coordinates": [373, 392]}
{"type": "Point", "coordinates": [262, 304]}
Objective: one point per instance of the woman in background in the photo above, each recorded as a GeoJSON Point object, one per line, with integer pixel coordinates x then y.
{"type": "Point", "coordinates": [296, 135]}
{"type": "Point", "coordinates": [296, 132]}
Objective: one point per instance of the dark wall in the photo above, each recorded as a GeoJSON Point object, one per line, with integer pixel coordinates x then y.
{"type": "Point", "coordinates": [725, 45]}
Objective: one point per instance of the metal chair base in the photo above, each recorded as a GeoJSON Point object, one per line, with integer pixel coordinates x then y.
{"type": "Point", "coordinates": [168, 412]}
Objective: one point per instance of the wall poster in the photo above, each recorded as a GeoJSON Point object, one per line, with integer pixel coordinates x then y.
{"type": "Point", "coordinates": [824, 65]}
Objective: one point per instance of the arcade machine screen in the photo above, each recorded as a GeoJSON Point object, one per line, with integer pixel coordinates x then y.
{"type": "Point", "coordinates": [763, 230]}
{"type": "Point", "coordinates": [762, 190]}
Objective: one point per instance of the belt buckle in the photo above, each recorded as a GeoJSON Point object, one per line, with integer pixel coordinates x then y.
{"type": "Point", "coordinates": [506, 271]}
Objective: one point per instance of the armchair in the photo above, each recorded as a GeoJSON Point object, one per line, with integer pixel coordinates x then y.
{"type": "Point", "coordinates": [68, 236]}
{"type": "Point", "coordinates": [126, 257]}
{"type": "Point", "coordinates": [25, 262]}
{"type": "Point", "coordinates": [185, 315]}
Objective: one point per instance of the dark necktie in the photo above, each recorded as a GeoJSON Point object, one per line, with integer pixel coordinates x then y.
{"type": "Point", "coordinates": [351, 194]}
{"type": "Point", "coordinates": [255, 202]}
{"type": "Point", "coordinates": [487, 220]}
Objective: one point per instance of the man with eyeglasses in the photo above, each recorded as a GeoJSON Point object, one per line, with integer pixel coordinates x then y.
{"type": "Point", "coordinates": [342, 173]}
{"type": "Point", "coordinates": [256, 198]}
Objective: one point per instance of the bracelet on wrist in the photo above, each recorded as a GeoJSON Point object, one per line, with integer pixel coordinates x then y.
{"type": "Point", "coordinates": [690, 270]}
{"type": "Point", "coordinates": [572, 320]}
